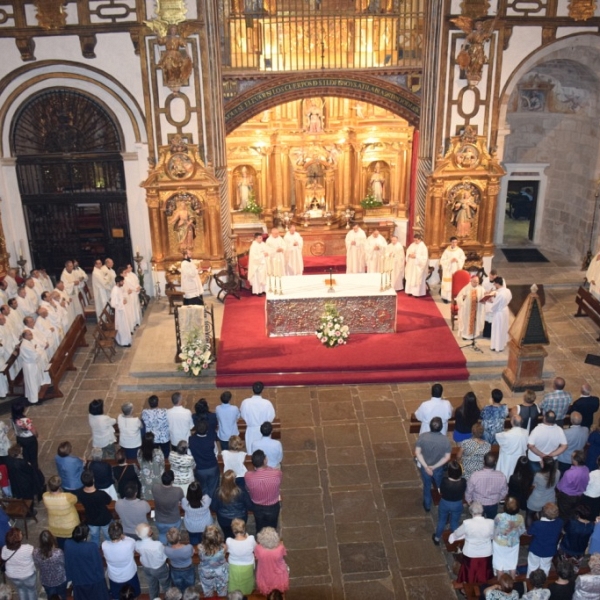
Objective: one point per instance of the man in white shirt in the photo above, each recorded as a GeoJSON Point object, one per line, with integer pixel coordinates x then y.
{"type": "Point", "coordinates": [355, 250]}
{"type": "Point", "coordinates": [375, 248]}
{"type": "Point", "coordinates": [99, 287]}
{"type": "Point", "coordinates": [513, 445]}
{"type": "Point", "coordinates": [180, 420]}
{"type": "Point", "coordinates": [452, 260]}
{"type": "Point", "coordinates": [255, 411]}
{"type": "Point", "coordinates": [547, 439]}
{"type": "Point", "coordinates": [435, 407]}
{"type": "Point", "coordinates": [272, 448]}
{"type": "Point", "coordinates": [191, 285]}
{"type": "Point", "coordinates": [276, 247]}
{"type": "Point", "coordinates": [294, 263]}
{"type": "Point", "coordinates": [417, 264]}
{"type": "Point", "coordinates": [153, 560]}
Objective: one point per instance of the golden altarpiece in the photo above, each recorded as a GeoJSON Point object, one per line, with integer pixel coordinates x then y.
{"type": "Point", "coordinates": [183, 203]}
{"type": "Point", "coordinates": [462, 195]}
{"type": "Point", "coordinates": [311, 162]}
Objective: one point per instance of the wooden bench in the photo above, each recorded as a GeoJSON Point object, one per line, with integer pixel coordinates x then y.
{"type": "Point", "coordinates": [587, 306]}
{"type": "Point", "coordinates": [18, 508]}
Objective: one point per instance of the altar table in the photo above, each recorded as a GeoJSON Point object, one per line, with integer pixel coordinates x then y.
{"type": "Point", "coordinates": [357, 298]}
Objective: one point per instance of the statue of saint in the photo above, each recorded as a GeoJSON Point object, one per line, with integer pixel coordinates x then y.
{"type": "Point", "coordinates": [314, 117]}
{"type": "Point", "coordinates": [471, 57]}
{"type": "Point", "coordinates": [464, 208]}
{"type": "Point", "coordinates": [377, 183]}
{"type": "Point", "coordinates": [175, 62]}
{"type": "Point", "coordinates": [184, 225]}
{"type": "Point", "coordinates": [244, 186]}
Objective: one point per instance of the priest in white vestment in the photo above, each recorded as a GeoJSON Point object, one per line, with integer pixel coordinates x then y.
{"type": "Point", "coordinates": [294, 263]}
{"type": "Point", "coordinates": [8, 343]}
{"type": "Point", "coordinates": [26, 306]}
{"type": "Point", "coordinates": [54, 315]}
{"type": "Point", "coordinates": [109, 274]}
{"type": "Point", "coordinates": [44, 324]}
{"type": "Point", "coordinates": [513, 445]}
{"type": "Point", "coordinates": [70, 279]}
{"type": "Point", "coordinates": [35, 364]}
{"type": "Point", "coordinates": [62, 307]}
{"type": "Point", "coordinates": [118, 301]}
{"type": "Point", "coordinates": [191, 284]}
{"type": "Point", "coordinates": [417, 263]}
{"type": "Point", "coordinates": [11, 283]}
{"type": "Point", "coordinates": [100, 287]}
{"type": "Point", "coordinates": [452, 260]}
{"type": "Point", "coordinates": [500, 315]}
{"type": "Point", "coordinates": [132, 285]}
{"type": "Point", "coordinates": [68, 300]}
{"type": "Point", "coordinates": [356, 239]}
{"type": "Point", "coordinates": [46, 281]}
{"type": "Point", "coordinates": [39, 337]}
{"type": "Point", "coordinates": [471, 311]}
{"type": "Point", "coordinates": [38, 286]}
{"type": "Point", "coordinates": [396, 250]}
{"type": "Point", "coordinates": [276, 247]}
{"type": "Point", "coordinates": [375, 248]}
{"type": "Point", "coordinates": [3, 293]}
{"type": "Point", "coordinates": [257, 265]}
{"type": "Point", "coordinates": [593, 276]}
{"type": "Point", "coordinates": [83, 276]}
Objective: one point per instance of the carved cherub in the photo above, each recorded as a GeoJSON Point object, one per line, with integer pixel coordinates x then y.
{"type": "Point", "coordinates": [471, 57]}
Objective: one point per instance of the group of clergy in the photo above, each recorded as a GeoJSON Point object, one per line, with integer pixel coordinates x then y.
{"type": "Point", "coordinates": [277, 256]}
{"type": "Point", "coordinates": [34, 317]}
{"type": "Point", "coordinates": [122, 292]}
{"type": "Point", "coordinates": [369, 253]}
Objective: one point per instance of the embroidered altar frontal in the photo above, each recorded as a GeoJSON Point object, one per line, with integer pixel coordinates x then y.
{"type": "Point", "coordinates": [357, 297]}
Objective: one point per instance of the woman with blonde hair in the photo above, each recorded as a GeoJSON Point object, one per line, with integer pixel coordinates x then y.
{"type": "Point", "coordinates": [471, 452]}
{"type": "Point", "coordinates": [230, 502]}
{"type": "Point", "coordinates": [529, 411]}
{"type": "Point", "coordinates": [272, 572]}
{"type": "Point", "coordinates": [234, 458]}
{"type": "Point", "coordinates": [241, 558]}
{"type": "Point", "coordinates": [213, 571]}
{"type": "Point", "coordinates": [62, 514]}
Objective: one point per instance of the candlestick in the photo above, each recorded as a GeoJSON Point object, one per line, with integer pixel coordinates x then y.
{"type": "Point", "coordinates": [21, 252]}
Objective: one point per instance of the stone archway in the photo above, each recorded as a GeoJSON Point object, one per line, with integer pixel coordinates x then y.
{"type": "Point", "coordinates": [299, 86]}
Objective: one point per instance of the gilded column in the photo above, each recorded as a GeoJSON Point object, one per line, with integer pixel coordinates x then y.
{"type": "Point", "coordinates": [276, 178]}
{"type": "Point", "coordinates": [285, 178]}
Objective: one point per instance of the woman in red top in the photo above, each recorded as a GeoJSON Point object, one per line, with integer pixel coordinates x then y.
{"type": "Point", "coordinates": [271, 571]}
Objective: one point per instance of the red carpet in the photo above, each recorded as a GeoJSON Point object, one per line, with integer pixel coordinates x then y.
{"type": "Point", "coordinates": [423, 349]}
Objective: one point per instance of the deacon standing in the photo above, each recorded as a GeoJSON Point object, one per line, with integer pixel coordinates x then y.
{"type": "Point", "coordinates": [133, 283]}
{"type": "Point", "coordinates": [191, 285]}
{"type": "Point", "coordinates": [276, 247]}
{"type": "Point", "coordinates": [118, 301]}
{"type": "Point", "coordinates": [294, 264]}
{"type": "Point", "coordinates": [375, 248]}
{"type": "Point", "coordinates": [257, 265]}
{"type": "Point", "coordinates": [99, 288]}
{"type": "Point", "coordinates": [471, 312]}
{"type": "Point", "coordinates": [488, 287]}
{"type": "Point", "coordinates": [500, 302]}
{"type": "Point", "coordinates": [396, 250]}
{"type": "Point", "coordinates": [355, 250]}
{"type": "Point", "coordinates": [453, 259]}
{"type": "Point", "coordinates": [417, 261]}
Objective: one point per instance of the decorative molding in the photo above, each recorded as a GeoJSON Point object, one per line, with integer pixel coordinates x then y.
{"type": "Point", "coordinates": [582, 10]}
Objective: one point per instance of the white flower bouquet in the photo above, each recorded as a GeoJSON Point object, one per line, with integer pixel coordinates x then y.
{"type": "Point", "coordinates": [195, 355]}
{"type": "Point", "coordinates": [332, 331]}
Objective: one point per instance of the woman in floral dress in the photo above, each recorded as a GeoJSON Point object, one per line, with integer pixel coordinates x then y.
{"type": "Point", "coordinates": [152, 465]}
{"type": "Point", "coordinates": [493, 417]}
{"type": "Point", "coordinates": [213, 571]}
{"type": "Point", "coordinates": [472, 451]}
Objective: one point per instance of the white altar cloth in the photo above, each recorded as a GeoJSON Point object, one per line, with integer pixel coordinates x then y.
{"type": "Point", "coordinates": [357, 298]}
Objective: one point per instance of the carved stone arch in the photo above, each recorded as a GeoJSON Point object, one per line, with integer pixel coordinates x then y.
{"type": "Point", "coordinates": [364, 88]}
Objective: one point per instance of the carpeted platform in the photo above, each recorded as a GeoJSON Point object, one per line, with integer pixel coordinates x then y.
{"type": "Point", "coordinates": [423, 349]}
{"type": "Point", "coordinates": [532, 255]}
{"type": "Point", "coordinates": [321, 264]}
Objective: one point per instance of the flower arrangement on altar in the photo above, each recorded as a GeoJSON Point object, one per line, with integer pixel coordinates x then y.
{"type": "Point", "coordinates": [252, 206]}
{"type": "Point", "coordinates": [332, 331]}
{"type": "Point", "coordinates": [195, 355]}
{"type": "Point", "coordinates": [369, 201]}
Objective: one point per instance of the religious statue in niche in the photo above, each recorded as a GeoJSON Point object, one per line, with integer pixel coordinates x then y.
{"type": "Point", "coordinates": [245, 185]}
{"type": "Point", "coordinates": [183, 211]}
{"type": "Point", "coordinates": [175, 62]}
{"type": "Point", "coordinates": [471, 57]}
{"type": "Point", "coordinates": [377, 182]}
{"type": "Point", "coordinates": [463, 202]}
{"type": "Point", "coordinates": [314, 115]}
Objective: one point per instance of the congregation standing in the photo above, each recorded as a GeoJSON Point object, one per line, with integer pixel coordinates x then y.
{"type": "Point", "coordinates": [518, 474]}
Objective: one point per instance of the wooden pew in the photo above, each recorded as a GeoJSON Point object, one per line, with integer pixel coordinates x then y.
{"type": "Point", "coordinates": [587, 306]}
{"type": "Point", "coordinates": [276, 434]}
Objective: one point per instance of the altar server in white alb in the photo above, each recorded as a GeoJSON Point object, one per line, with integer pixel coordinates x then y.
{"type": "Point", "coordinates": [276, 247]}
{"type": "Point", "coordinates": [355, 250]}
{"type": "Point", "coordinates": [118, 301]}
{"type": "Point", "coordinates": [71, 280]}
{"type": "Point", "coordinates": [191, 284]}
{"type": "Point", "coordinates": [452, 260]}
{"type": "Point", "coordinates": [375, 248]}
{"type": "Point", "coordinates": [396, 250]}
{"type": "Point", "coordinates": [35, 365]}
{"type": "Point", "coordinates": [294, 264]}
{"type": "Point", "coordinates": [499, 312]}
{"type": "Point", "coordinates": [257, 265]}
{"type": "Point", "coordinates": [99, 288]}
{"type": "Point", "coordinates": [471, 312]}
{"type": "Point", "coordinates": [417, 263]}
{"type": "Point", "coordinates": [593, 276]}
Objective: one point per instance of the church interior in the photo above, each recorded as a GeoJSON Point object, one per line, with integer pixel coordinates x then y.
{"type": "Point", "coordinates": [139, 129]}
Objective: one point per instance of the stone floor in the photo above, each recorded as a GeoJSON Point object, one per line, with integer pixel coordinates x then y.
{"type": "Point", "coordinates": [352, 518]}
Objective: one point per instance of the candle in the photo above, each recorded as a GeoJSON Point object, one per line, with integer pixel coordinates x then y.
{"type": "Point", "coordinates": [21, 249]}
{"type": "Point", "coordinates": [137, 250]}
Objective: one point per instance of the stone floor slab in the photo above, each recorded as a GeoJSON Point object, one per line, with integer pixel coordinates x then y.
{"type": "Point", "coordinates": [381, 589]}
{"type": "Point", "coordinates": [354, 506]}
{"type": "Point", "coordinates": [348, 475]}
{"type": "Point", "coordinates": [363, 557]}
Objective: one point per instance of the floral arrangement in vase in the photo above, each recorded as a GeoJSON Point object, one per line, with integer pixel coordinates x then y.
{"type": "Point", "coordinates": [195, 355]}
{"type": "Point", "coordinates": [332, 332]}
